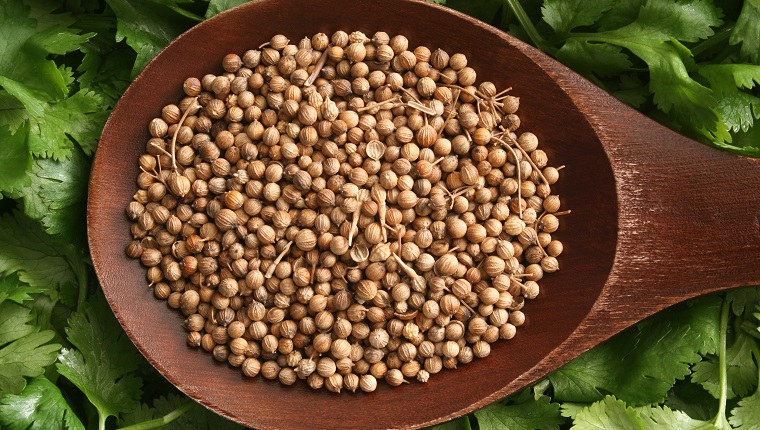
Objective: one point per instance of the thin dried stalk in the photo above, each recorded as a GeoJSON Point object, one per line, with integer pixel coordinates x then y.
{"type": "Point", "coordinates": [270, 270]}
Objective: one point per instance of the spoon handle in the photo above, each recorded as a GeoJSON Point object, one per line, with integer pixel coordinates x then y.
{"type": "Point", "coordinates": [688, 214]}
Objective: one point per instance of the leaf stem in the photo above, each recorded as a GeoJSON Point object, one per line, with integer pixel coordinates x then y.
{"type": "Point", "coordinates": [712, 41]}
{"type": "Point", "coordinates": [522, 17]}
{"type": "Point", "coordinates": [162, 421]}
{"type": "Point", "coordinates": [81, 273]}
{"type": "Point", "coordinates": [720, 418]}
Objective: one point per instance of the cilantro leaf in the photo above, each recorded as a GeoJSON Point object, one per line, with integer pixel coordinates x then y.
{"type": "Point", "coordinates": [40, 406]}
{"type": "Point", "coordinates": [685, 20]}
{"type": "Point", "coordinates": [746, 415]}
{"type": "Point", "coordinates": [14, 322]}
{"type": "Point", "coordinates": [26, 43]}
{"type": "Point", "coordinates": [727, 78]}
{"type": "Point", "coordinates": [622, 12]}
{"type": "Point", "coordinates": [664, 418]}
{"type": "Point", "coordinates": [741, 369]}
{"type": "Point", "coordinates": [743, 300]}
{"type": "Point", "coordinates": [675, 92]}
{"type": "Point", "coordinates": [57, 195]}
{"type": "Point", "coordinates": [106, 71]}
{"type": "Point", "coordinates": [15, 158]}
{"type": "Point", "coordinates": [218, 6]}
{"type": "Point", "coordinates": [641, 364]}
{"type": "Point", "coordinates": [565, 15]}
{"type": "Point", "coordinates": [654, 36]}
{"type": "Point", "coordinates": [26, 356]}
{"type": "Point", "coordinates": [461, 423]}
{"type": "Point", "coordinates": [104, 361]}
{"type": "Point", "coordinates": [600, 58]}
{"type": "Point", "coordinates": [692, 399]}
{"type": "Point", "coordinates": [37, 258]}
{"type": "Point", "coordinates": [13, 290]}
{"type": "Point", "coordinates": [197, 417]}
{"type": "Point", "coordinates": [570, 409]}
{"type": "Point", "coordinates": [609, 413]}
{"type": "Point", "coordinates": [739, 110]}
{"type": "Point", "coordinates": [54, 124]}
{"type": "Point", "coordinates": [747, 30]}
{"type": "Point", "coordinates": [533, 414]}
{"type": "Point", "coordinates": [147, 26]}
{"type": "Point", "coordinates": [744, 142]}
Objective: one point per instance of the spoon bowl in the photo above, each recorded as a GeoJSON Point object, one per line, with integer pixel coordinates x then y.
{"type": "Point", "coordinates": [656, 217]}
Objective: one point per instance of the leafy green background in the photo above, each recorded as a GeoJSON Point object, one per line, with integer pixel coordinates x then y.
{"type": "Point", "coordinates": [693, 65]}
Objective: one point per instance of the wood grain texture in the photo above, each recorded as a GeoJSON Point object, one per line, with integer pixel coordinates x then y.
{"type": "Point", "coordinates": [657, 218]}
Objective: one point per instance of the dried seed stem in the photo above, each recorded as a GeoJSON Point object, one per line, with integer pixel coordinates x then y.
{"type": "Point", "coordinates": [405, 267]}
{"type": "Point", "coordinates": [176, 132]}
{"type": "Point", "coordinates": [317, 68]}
{"type": "Point", "coordinates": [451, 112]}
{"type": "Point", "coordinates": [517, 164]}
{"type": "Point", "coordinates": [420, 107]}
{"type": "Point", "coordinates": [270, 270]}
{"type": "Point", "coordinates": [378, 104]}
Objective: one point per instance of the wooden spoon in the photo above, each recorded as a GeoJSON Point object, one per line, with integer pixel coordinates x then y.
{"type": "Point", "coordinates": [656, 218]}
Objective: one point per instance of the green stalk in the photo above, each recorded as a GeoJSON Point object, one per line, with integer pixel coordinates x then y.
{"type": "Point", "coordinates": [712, 41]}
{"type": "Point", "coordinates": [720, 420]}
{"type": "Point", "coordinates": [81, 272]}
{"type": "Point", "coordinates": [162, 421]}
{"type": "Point", "coordinates": [756, 353]}
{"type": "Point", "coordinates": [522, 17]}
{"type": "Point", "coordinates": [101, 421]}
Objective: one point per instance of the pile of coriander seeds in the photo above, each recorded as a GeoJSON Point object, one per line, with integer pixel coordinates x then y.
{"type": "Point", "coordinates": [343, 210]}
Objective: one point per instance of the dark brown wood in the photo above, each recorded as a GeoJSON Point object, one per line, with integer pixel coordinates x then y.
{"type": "Point", "coordinates": [656, 218]}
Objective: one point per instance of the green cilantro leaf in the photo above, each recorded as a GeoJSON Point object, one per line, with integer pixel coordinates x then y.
{"type": "Point", "coordinates": [675, 92]}
{"type": "Point", "coordinates": [461, 423]}
{"type": "Point", "coordinates": [26, 42]}
{"type": "Point", "coordinates": [654, 36]}
{"type": "Point", "coordinates": [37, 258]}
{"type": "Point", "coordinates": [739, 110]}
{"type": "Point", "coordinates": [13, 290]}
{"type": "Point", "coordinates": [570, 409]}
{"type": "Point", "coordinates": [197, 417]}
{"type": "Point", "coordinates": [741, 368]}
{"type": "Point", "coordinates": [104, 360]}
{"type": "Point", "coordinates": [57, 196]}
{"type": "Point", "coordinates": [685, 20]}
{"type": "Point", "coordinates": [600, 58]}
{"type": "Point", "coordinates": [14, 322]}
{"type": "Point", "coordinates": [746, 414]}
{"type": "Point", "coordinates": [743, 300]}
{"type": "Point", "coordinates": [105, 71]}
{"type": "Point", "coordinates": [745, 143]}
{"type": "Point", "coordinates": [692, 399]}
{"type": "Point", "coordinates": [26, 356]}
{"type": "Point", "coordinates": [218, 6]}
{"type": "Point", "coordinates": [727, 78]}
{"type": "Point", "coordinates": [15, 158]}
{"type": "Point", "coordinates": [565, 15]}
{"type": "Point", "coordinates": [54, 124]}
{"type": "Point", "coordinates": [533, 414]}
{"type": "Point", "coordinates": [622, 12]}
{"type": "Point", "coordinates": [40, 406]}
{"type": "Point", "coordinates": [609, 413]}
{"type": "Point", "coordinates": [664, 418]}
{"type": "Point", "coordinates": [632, 90]}
{"type": "Point", "coordinates": [747, 30]}
{"type": "Point", "coordinates": [641, 364]}
{"type": "Point", "coordinates": [147, 26]}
